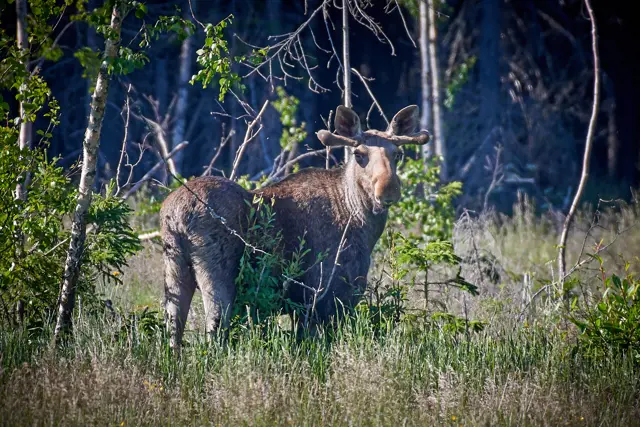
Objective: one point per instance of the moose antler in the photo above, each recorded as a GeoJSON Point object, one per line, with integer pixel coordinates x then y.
{"type": "Point", "coordinates": [419, 138]}
{"type": "Point", "coordinates": [329, 139]}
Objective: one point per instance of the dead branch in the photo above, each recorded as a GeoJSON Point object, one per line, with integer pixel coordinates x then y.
{"type": "Point", "coordinates": [496, 178]}
{"type": "Point", "coordinates": [248, 137]}
{"type": "Point", "coordinates": [147, 176]}
{"type": "Point", "coordinates": [292, 162]}
{"type": "Point", "coordinates": [373, 98]}
{"type": "Point", "coordinates": [224, 141]}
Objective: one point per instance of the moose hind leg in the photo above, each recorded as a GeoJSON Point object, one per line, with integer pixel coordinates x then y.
{"type": "Point", "coordinates": [179, 286]}
{"type": "Point", "coordinates": [218, 293]}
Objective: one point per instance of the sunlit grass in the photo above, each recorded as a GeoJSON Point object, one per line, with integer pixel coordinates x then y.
{"type": "Point", "coordinates": [352, 376]}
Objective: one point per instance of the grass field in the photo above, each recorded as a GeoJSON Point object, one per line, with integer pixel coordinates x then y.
{"type": "Point", "coordinates": [517, 371]}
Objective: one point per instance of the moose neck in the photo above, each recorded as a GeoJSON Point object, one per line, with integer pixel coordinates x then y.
{"type": "Point", "coordinates": [359, 204]}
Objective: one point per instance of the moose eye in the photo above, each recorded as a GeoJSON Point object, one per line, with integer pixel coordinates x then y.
{"type": "Point", "coordinates": [360, 157]}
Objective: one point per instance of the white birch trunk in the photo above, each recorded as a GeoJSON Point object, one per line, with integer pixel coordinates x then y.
{"type": "Point", "coordinates": [25, 136]}
{"type": "Point", "coordinates": [346, 63]}
{"type": "Point", "coordinates": [89, 157]}
{"type": "Point", "coordinates": [24, 140]}
{"type": "Point", "coordinates": [182, 104]}
{"type": "Point", "coordinates": [438, 130]}
{"type": "Point", "coordinates": [427, 114]}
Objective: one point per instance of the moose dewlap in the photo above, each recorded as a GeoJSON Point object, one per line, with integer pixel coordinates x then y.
{"type": "Point", "coordinates": [343, 209]}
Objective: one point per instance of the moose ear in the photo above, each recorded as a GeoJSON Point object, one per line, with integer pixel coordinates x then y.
{"type": "Point", "coordinates": [405, 121]}
{"type": "Point", "coordinates": [347, 122]}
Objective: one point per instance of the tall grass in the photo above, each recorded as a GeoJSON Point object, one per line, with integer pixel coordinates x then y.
{"type": "Point", "coordinates": [515, 372]}
{"type": "Point", "coordinates": [353, 375]}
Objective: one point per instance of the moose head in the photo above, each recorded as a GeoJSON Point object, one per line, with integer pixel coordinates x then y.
{"type": "Point", "coordinates": [375, 154]}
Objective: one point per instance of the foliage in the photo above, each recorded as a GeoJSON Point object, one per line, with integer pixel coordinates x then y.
{"type": "Point", "coordinates": [265, 276]}
{"type": "Point", "coordinates": [425, 211]}
{"type": "Point", "coordinates": [292, 133]}
{"type": "Point", "coordinates": [613, 324]}
{"type": "Point", "coordinates": [35, 237]}
{"type": "Point", "coordinates": [215, 60]}
{"type": "Point", "coordinates": [418, 239]}
{"type": "Point", "coordinates": [457, 80]}
{"type": "Point", "coordinates": [34, 229]}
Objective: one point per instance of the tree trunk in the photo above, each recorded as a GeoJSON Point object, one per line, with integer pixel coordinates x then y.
{"type": "Point", "coordinates": [25, 137]}
{"type": "Point", "coordinates": [346, 63]}
{"type": "Point", "coordinates": [489, 66]}
{"type": "Point", "coordinates": [613, 145]}
{"type": "Point", "coordinates": [89, 156]}
{"type": "Point", "coordinates": [562, 267]}
{"type": "Point", "coordinates": [183, 95]}
{"type": "Point", "coordinates": [438, 130]}
{"type": "Point", "coordinates": [427, 113]}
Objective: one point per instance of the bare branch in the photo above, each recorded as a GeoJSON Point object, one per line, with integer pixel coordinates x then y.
{"type": "Point", "coordinates": [248, 137]}
{"type": "Point", "coordinates": [147, 176]}
{"type": "Point", "coordinates": [123, 150]}
{"type": "Point", "coordinates": [223, 143]}
{"type": "Point", "coordinates": [373, 98]}
{"type": "Point", "coordinates": [292, 162]}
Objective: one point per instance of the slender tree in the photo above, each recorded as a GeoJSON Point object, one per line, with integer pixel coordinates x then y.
{"type": "Point", "coordinates": [346, 62]}
{"type": "Point", "coordinates": [25, 136]}
{"type": "Point", "coordinates": [438, 130]}
{"type": "Point", "coordinates": [427, 114]}
{"type": "Point", "coordinates": [587, 147]}
{"type": "Point", "coordinates": [90, 146]}
{"type": "Point", "coordinates": [182, 103]}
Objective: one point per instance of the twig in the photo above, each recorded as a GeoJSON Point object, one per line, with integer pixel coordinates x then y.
{"type": "Point", "coordinates": [147, 176]}
{"type": "Point", "coordinates": [285, 44]}
{"type": "Point", "coordinates": [404, 22]}
{"type": "Point", "coordinates": [123, 150]}
{"type": "Point", "coordinates": [343, 240]}
{"type": "Point", "coordinates": [248, 137]}
{"type": "Point", "coordinates": [149, 236]}
{"type": "Point", "coordinates": [496, 178]}
{"type": "Point", "coordinates": [159, 133]}
{"type": "Point", "coordinates": [223, 143]}
{"type": "Point", "coordinates": [373, 98]}
{"type": "Point", "coordinates": [292, 162]}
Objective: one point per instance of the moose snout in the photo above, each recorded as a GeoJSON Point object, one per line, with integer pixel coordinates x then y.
{"type": "Point", "coordinates": [386, 190]}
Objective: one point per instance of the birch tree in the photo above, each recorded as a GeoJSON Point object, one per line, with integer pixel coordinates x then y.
{"type": "Point", "coordinates": [427, 114]}
{"type": "Point", "coordinates": [90, 146]}
{"type": "Point", "coordinates": [438, 130]}
{"type": "Point", "coordinates": [346, 63]}
{"type": "Point", "coordinates": [562, 268]}
{"type": "Point", "coordinates": [24, 138]}
{"type": "Point", "coordinates": [183, 95]}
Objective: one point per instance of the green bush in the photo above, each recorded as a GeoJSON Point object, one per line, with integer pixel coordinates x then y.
{"type": "Point", "coordinates": [418, 239]}
{"type": "Point", "coordinates": [34, 237]}
{"type": "Point", "coordinates": [266, 274]}
{"type": "Point", "coordinates": [613, 324]}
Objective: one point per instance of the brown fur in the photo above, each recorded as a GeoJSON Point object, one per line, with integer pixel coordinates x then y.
{"type": "Point", "coordinates": [200, 251]}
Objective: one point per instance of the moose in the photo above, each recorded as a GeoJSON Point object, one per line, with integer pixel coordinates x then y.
{"type": "Point", "coordinates": [337, 210]}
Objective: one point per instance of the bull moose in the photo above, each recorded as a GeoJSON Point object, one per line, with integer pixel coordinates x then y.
{"type": "Point", "coordinates": [202, 222]}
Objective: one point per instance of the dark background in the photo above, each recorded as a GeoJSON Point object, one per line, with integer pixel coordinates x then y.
{"type": "Point", "coordinates": [533, 80]}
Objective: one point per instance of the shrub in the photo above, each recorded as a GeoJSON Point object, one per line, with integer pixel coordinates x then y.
{"type": "Point", "coordinates": [34, 237]}
{"type": "Point", "coordinates": [265, 274]}
{"type": "Point", "coordinates": [613, 324]}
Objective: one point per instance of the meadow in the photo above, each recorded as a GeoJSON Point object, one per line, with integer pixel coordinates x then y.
{"type": "Point", "coordinates": [527, 365]}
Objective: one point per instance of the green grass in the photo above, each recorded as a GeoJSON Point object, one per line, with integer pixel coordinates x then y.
{"type": "Point", "coordinates": [515, 372]}
{"type": "Point", "coordinates": [352, 376]}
